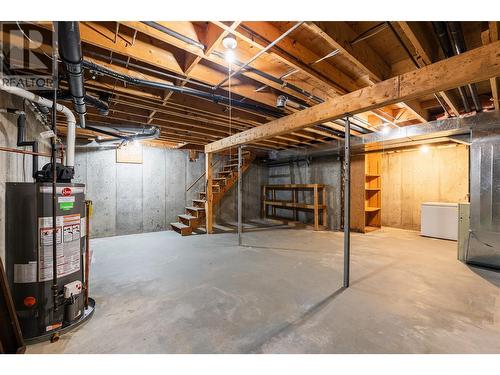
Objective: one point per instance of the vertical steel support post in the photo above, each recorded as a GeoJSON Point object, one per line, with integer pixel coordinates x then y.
{"type": "Point", "coordinates": [347, 201]}
{"type": "Point", "coordinates": [240, 224]}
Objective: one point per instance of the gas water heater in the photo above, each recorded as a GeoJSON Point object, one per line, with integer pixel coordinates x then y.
{"type": "Point", "coordinates": [46, 308]}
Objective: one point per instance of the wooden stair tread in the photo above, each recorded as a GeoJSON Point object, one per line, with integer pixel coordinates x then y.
{"type": "Point", "coordinates": [191, 208]}
{"type": "Point", "coordinates": [195, 216]}
{"type": "Point", "coordinates": [187, 216]}
{"type": "Point", "coordinates": [179, 225]}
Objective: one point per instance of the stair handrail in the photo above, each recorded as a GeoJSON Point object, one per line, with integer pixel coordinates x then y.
{"type": "Point", "coordinates": [203, 175]}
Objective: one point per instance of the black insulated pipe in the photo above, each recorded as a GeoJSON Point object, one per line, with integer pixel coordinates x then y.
{"type": "Point", "coordinates": [181, 89]}
{"type": "Point", "coordinates": [459, 45]}
{"type": "Point", "coordinates": [193, 42]}
{"type": "Point", "coordinates": [70, 51]}
{"type": "Point", "coordinates": [21, 130]}
{"type": "Point", "coordinates": [175, 34]}
{"type": "Point", "coordinates": [441, 31]}
{"type": "Point", "coordinates": [100, 105]}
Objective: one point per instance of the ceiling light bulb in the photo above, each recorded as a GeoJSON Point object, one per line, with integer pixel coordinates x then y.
{"type": "Point", "coordinates": [424, 149]}
{"type": "Point", "coordinates": [385, 129]}
{"type": "Point", "coordinates": [229, 42]}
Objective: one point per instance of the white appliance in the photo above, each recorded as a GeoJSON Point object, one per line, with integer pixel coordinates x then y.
{"type": "Point", "coordinates": [439, 220]}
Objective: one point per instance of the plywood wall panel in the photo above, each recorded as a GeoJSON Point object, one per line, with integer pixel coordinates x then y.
{"type": "Point", "coordinates": [412, 177]}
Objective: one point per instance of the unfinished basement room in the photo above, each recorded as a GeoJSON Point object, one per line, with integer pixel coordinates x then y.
{"type": "Point", "coordinates": [249, 187]}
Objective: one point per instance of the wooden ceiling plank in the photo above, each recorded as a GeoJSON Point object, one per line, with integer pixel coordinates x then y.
{"type": "Point", "coordinates": [424, 58]}
{"type": "Point", "coordinates": [296, 56]}
{"type": "Point", "coordinates": [213, 58]}
{"type": "Point", "coordinates": [469, 67]}
{"type": "Point", "coordinates": [213, 36]}
{"type": "Point", "coordinates": [338, 34]}
{"type": "Point", "coordinates": [99, 36]}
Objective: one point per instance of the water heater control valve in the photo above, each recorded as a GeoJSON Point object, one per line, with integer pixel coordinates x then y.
{"type": "Point", "coordinates": [72, 289]}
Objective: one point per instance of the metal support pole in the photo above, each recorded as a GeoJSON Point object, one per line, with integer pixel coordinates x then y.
{"type": "Point", "coordinates": [54, 174]}
{"type": "Point", "coordinates": [347, 201]}
{"type": "Point", "coordinates": [240, 225]}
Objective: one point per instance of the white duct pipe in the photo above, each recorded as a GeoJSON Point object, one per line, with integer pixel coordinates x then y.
{"type": "Point", "coordinates": [70, 118]}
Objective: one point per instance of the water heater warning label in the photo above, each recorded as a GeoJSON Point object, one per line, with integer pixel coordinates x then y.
{"type": "Point", "coordinates": [67, 246]}
{"type": "Point", "coordinates": [25, 273]}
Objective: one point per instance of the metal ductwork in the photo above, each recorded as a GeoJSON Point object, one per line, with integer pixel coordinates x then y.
{"type": "Point", "coordinates": [70, 51]}
{"type": "Point", "coordinates": [457, 37]}
{"type": "Point", "coordinates": [441, 31]}
{"type": "Point", "coordinates": [126, 133]}
{"type": "Point", "coordinates": [284, 101]}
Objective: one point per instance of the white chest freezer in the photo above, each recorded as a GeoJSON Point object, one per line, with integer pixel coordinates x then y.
{"type": "Point", "coordinates": [439, 220]}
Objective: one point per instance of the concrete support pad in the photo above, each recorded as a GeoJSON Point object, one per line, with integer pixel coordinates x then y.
{"type": "Point", "coordinates": [163, 293]}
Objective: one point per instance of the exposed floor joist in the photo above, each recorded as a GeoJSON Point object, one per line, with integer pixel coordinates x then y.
{"type": "Point", "coordinates": [473, 66]}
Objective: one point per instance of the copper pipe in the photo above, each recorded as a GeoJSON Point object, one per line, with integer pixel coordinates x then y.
{"type": "Point", "coordinates": [18, 151]}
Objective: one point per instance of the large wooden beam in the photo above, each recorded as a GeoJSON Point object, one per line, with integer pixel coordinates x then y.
{"type": "Point", "coordinates": [473, 66]}
{"type": "Point", "coordinates": [338, 34]}
{"type": "Point", "coordinates": [424, 57]}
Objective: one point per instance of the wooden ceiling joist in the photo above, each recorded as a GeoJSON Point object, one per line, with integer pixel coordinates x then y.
{"type": "Point", "coordinates": [424, 58]}
{"type": "Point", "coordinates": [492, 34]}
{"type": "Point", "coordinates": [472, 66]}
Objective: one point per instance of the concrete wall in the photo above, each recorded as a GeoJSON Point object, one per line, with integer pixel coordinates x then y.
{"type": "Point", "coordinates": [412, 177]}
{"type": "Point", "coordinates": [135, 198]}
{"type": "Point", "coordinates": [323, 170]}
{"type": "Point", "coordinates": [254, 177]}
{"type": "Point", "coordinates": [16, 167]}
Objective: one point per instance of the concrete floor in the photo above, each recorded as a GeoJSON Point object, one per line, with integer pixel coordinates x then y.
{"type": "Point", "coordinates": [162, 293]}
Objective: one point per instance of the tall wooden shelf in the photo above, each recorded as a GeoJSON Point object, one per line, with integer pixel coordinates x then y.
{"type": "Point", "coordinates": [366, 192]}
{"type": "Point", "coordinates": [318, 202]}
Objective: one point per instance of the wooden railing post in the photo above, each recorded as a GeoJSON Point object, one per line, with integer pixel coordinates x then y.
{"type": "Point", "coordinates": [209, 193]}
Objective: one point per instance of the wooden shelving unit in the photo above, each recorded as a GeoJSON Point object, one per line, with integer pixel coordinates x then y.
{"type": "Point", "coordinates": [270, 203]}
{"type": "Point", "coordinates": [366, 192]}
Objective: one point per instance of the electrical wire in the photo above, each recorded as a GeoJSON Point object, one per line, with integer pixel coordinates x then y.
{"type": "Point", "coordinates": [230, 108]}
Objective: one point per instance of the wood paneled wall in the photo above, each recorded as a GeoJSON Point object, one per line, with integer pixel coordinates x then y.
{"type": "Point", "coordinates": [412, 177]}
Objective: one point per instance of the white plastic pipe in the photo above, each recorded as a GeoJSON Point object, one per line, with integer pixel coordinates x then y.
{"type": "Point", "coordinates": [70, 118]}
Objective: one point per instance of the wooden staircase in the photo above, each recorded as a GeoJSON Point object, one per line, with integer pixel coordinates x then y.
{"type": "Point", "coordinates": [223, 180]}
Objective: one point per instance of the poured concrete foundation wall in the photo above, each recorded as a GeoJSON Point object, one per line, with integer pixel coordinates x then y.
{"type": "Point", "coordinates": [16, 167]}
{"type": "Point", "coordinates": [321, 170]}
{"type": "Point", "coordinates": [412, 177]}
{"type": "Point", "coordinates": [136, 198]}
{"type": "Point", "coordinates": [254, 177]}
